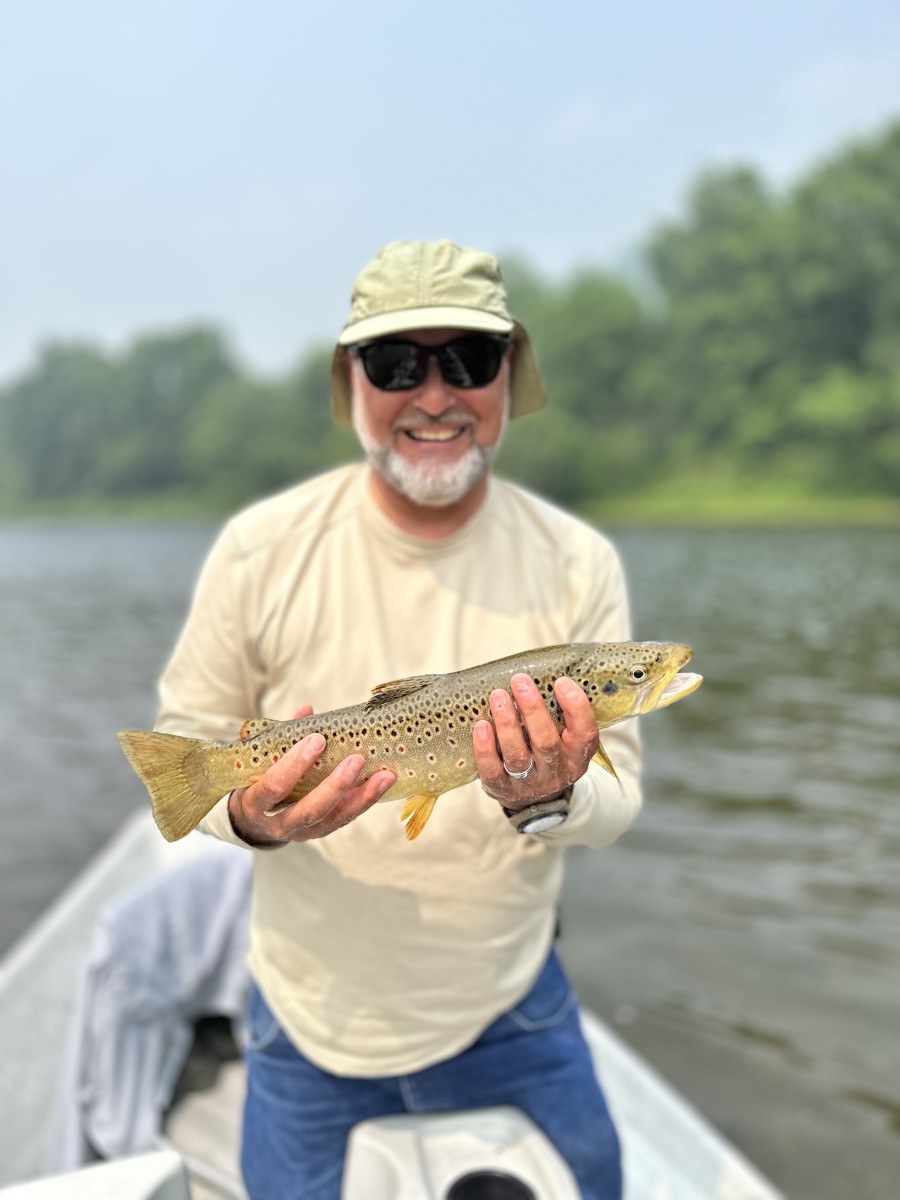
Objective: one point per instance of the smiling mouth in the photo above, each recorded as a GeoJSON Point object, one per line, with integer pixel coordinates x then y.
{"type": "Point", "coordinates": [434, 435]}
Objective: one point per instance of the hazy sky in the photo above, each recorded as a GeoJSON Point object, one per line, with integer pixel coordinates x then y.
{"type": "Point", "coordinates": [163, 162]}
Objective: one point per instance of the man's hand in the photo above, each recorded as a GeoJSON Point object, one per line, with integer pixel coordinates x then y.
{"type": "Point", "coordinates": [334, 802]}
{"type": "Point", "coordinates": [526, 734]}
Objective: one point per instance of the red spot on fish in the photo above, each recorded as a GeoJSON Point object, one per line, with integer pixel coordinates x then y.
{"type": "Point", "coordinates": [274, 758]}
{"type": "Point", "coordinates": [401, 749]}
{"type": "Point", "coordinates": [410, 774]}
{"type": "Point", "coordinates": [461, 763]}
{"type": "Point", "coordinates": [237, 766]}
{"type": "Point", "coordinates": [452, 741]}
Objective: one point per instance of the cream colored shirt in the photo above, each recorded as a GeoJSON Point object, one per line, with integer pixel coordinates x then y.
{"type": "Point", "coordinates": [381, 956]}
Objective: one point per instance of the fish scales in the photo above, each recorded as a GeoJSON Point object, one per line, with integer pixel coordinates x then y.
{"type": "Point", "coordinates": [420, 728]}
{"type": "Point", "coordinates": [426, 739]}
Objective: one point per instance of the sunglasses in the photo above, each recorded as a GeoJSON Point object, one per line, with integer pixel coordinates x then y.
{"type": "Point", "coordinates": [472, 361]}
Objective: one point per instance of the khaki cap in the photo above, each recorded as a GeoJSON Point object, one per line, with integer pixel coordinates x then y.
{"type": "Point", "coordinates": [433, 285]}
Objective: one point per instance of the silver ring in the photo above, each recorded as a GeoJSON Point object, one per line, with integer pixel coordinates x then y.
{"type": "Point", "coordinates": [519, 774]}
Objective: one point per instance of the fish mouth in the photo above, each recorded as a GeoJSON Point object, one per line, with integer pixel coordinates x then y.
{"type": "Point", "coordinates": [673, 684]}
{"type": "Point", "coordinates": [679, 685]}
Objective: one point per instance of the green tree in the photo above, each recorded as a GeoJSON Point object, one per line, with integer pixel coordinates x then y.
{"type": "Point", "coordinates": [246, 438]}
{"type": "Point", "coordinates": [159, 382]}
{"type": "Point", "coordinates": [56, 421]}
{"type": "Point", "coordinates": [722, 275]}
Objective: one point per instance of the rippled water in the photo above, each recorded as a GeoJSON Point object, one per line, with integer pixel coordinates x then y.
{"type": "Point", "coordinates": [744, 935]}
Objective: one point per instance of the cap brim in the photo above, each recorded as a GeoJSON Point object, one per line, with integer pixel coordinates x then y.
{"type": "Point", "coordinates": [405, 319]}
{"type": "Point", "coordinates": [526, 388]}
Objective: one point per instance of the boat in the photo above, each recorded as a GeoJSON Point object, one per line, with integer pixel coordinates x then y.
{"type": "Point", "coordinates": [670, 1151]}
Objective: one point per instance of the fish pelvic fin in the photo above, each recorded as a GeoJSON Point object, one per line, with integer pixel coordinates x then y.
{"type": "Point", "coordinates": [416, 812]}
{"type": "Point", "coordinates": [171, 769]}
{"type": "Point", "coordinates": [602, 759]}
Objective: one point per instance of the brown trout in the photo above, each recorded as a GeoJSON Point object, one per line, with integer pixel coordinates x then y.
{"type": "Point", "coordinates": [419, 728]}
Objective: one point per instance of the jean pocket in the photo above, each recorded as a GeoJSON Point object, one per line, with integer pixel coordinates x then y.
{"type": "Point", "coordinates": [548, 1003]}
{"type": "Point", "coordinates": [262, 1027]}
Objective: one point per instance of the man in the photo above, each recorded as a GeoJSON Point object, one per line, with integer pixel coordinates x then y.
{"type": "Point", "coordinates": [394, 976]}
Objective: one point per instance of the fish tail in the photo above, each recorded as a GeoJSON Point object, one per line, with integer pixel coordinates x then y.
{"type": "Point", "coordinates": [172, 771]}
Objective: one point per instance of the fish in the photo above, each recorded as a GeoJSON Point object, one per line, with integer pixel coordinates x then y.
{"type": "Point", "coordinates": [420, 728]}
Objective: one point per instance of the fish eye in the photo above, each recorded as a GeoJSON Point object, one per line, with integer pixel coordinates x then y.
{"type": "Point", "coordinates": [637, 673]}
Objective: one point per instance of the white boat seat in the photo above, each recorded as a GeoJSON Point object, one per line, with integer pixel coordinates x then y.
{"type": "Point", "coordinates": [484, 1154]}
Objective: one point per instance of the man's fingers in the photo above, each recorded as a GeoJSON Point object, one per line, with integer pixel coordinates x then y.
{"type": "Point", "coordinates": [546, 747]}
{"type": "Point", "coordinates": [510, 733]}
{"type": "Point", "coordinates": [487, 759]}
{"type": "Point", "coordinates": [283, 776]}
{"type": "Point", "coordinates": [352, 805]}
{"type": "Point", "coordinates": [580, 736]}
{"type": "Point", "coordinates": [324, 796]}
{"type": "Point", "coordinates": [527, 734]}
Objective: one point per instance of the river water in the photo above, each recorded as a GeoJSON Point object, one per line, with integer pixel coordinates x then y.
{"type": "Point", "coordinates": [744, 936]}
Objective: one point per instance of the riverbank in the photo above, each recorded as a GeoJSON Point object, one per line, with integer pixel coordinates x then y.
{"type": "Point", "coordinates": [701, 499]}
{"type": "Point", "coordinates": [693, 500]}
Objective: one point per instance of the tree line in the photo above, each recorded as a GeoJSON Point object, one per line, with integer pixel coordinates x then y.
{"type": "Point", "coordinates": [757, 337]}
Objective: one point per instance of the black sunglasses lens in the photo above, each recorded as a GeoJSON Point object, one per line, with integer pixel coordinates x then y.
{"type": "Point", "coordinates": [392, 366]}
{"type": "Point", "coordinates": [472, 361]}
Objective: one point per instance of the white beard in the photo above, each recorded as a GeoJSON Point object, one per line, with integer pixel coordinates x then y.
{"type": "Point", "coordinates": [431, 485]}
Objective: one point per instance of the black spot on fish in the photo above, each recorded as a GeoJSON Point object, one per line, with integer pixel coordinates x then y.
{"type": "Point", "coordinates": [610, 689]}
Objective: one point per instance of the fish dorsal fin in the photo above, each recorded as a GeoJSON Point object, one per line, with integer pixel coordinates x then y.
{"type": "Point", "coordinates": [254, 726]}
{"type": "Point", "coordinates": [602, 759]}
{"type": "Point", "coordinates": [385, 693]}
{"type": "Point", "coordinates": [416, 812]}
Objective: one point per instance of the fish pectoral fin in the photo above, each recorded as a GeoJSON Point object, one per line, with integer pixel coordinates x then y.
{"type": "Point", "coordinates": [415, 813]}
{"type": "Point", "coordinates": [602, 759]}
{"type": "Point", "coordinates": [384, 693]}
{"type": "Point", "coordinates": [254, 726]}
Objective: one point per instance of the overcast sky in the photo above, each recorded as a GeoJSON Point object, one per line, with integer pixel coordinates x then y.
{"type": "Point", "coordinates": [164, 162]}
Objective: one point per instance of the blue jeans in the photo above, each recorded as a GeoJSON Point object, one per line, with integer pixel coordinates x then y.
{"type": "Point", "coordinates": [297, 1117]}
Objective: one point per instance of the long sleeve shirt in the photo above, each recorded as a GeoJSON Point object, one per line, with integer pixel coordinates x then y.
{"type": "Point", "coordinates": [381, 956]}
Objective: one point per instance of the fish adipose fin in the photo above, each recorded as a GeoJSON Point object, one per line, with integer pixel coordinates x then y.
{"type": "Point", "coordinates": [171, 770]}
{"type": "Point", "coordinates": [416, 812]}
{"type": "Point", "coordinates": [602, 759]}
{"type": "Point", "coordinates": [254, 726]}
{"type": "Point", "coordinates": [385, 693]}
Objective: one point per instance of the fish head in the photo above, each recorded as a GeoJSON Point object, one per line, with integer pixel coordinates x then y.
{"type": "Point", "coordinates": [630, 679]}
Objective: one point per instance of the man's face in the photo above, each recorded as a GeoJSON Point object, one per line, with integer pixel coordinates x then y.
{"type": "Point", "coordinates": [431, 444]}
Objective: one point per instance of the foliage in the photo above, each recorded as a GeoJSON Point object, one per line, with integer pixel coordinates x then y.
{"type": "Point", "coordinates": [759, 343]}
